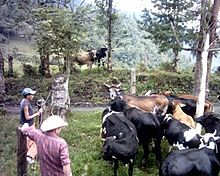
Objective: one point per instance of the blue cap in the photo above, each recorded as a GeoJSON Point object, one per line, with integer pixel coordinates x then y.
{"type": "Point", "coordinates": [27, 91]}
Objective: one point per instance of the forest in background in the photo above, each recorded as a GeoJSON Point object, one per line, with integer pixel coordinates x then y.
{"type": "Point", "coordinates": [131, 45]}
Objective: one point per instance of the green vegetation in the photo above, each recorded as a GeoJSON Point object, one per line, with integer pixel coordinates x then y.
{"type": "Point", "coordinates": [87, 85]}
{"type": "Point", "coordinates": [85, 145]}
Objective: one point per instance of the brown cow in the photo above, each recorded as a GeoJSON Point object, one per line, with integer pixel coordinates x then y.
{"type": "Point", "coordinates": [85, 57]}
{"type": "Point", "coordinates": [180, 115]}
{"type": "Point", "coordinates": [144, 103]}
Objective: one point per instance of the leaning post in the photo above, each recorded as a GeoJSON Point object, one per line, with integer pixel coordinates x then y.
{"type": "Point", "coordinates": [21, 153]}
{"type": "Point", "coordinates": [133, 81]}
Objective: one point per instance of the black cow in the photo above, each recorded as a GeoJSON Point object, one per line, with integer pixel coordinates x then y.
{"type": "Point", "coordinates": [179, 134]}
{"type": "Point", "coordinates": [147, 125]}
{"type": "Point", "coordinates": [210, 122]}
{"type": "Point", "coordinates": [192, 162]}
{"type": "Point", "coordinates": [120, 139]}
{"type": "Point", "coordinates": [100, 53]}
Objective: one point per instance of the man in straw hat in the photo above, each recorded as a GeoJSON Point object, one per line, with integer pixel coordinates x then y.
{"type": "Point", "coordinates": [52, 149]}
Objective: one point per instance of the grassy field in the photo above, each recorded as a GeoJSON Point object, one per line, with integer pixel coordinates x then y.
{"type": "Point", "coordinates": [83, 138]}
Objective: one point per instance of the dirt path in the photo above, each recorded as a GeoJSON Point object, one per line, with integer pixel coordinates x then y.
{"type": "Point", "coordinates": [14, 110]}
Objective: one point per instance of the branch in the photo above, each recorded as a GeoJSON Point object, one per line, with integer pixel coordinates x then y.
{"type": "Point", "coordinates": [179, 43]}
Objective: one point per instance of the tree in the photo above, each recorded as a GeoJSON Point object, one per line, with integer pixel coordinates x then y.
{"type": "Point", "coordinates": [60, 32]}
{"type": "Point", "coordinates": [108, 16]}
{"type": "Point", "coordinates": [2, 83]}
{"type": "Point", "coordinates": [208, 24]}
{"type": "Point", "coordinates": [158, 25]}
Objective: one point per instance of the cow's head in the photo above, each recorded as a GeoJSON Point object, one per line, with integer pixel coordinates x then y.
{"type": "Point", "coordinates": [207, 118]}
{"type": "Point", "coordinates": [114, 91]}
{"type": "Point", "coordinates": [101, 53]}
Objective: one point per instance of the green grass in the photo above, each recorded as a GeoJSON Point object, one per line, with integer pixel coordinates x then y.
{"type": "Point", "coordinates": [83, 138]}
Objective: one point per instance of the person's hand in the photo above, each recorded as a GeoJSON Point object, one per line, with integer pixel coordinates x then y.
{"type": "Point", "coordinates": [40, 111]}
{"type": "Point", "coordinates": [24, 126]}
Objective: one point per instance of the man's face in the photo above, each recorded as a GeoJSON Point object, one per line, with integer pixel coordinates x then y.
{"type": "Point", "coordinates": [58, 130]}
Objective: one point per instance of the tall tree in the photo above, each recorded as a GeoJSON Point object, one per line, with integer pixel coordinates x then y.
{"type": "Point", "coordinates": [58, 31]}
{"type": "Point", "coordinates": [2, 83]}
{"type": "Point", "coordinates": [208, 24]}
{"type": "Point", "coordinates": [157, 23]}
{"type": "Point", "coordinates": [107, 16]}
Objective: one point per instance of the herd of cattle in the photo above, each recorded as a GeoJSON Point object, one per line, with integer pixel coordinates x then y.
{"type": "Point", "coordinates": [131, 121]}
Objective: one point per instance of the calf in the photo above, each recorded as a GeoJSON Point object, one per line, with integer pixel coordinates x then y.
{"type": "Point", "coordinates": [144, 103]}
{"type": "Point", "coordinates": [147, 125]}
{"type": "Point", "coordinates": [179, 134]}
{"type": "Point", "coordinates": [192, 162]}
{"type": "Point", "coordinates": [180, 115]}
{"type": "Point", "coordinates": [190, 103]}
{"type": "Point", "coordinates": [120, 139]}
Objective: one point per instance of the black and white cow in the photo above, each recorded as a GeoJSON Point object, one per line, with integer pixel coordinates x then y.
{"type": "Point", "coordinates": [192, 162]}
{"type": "Point", "coordinates": [120, 139]}
{"type": "Point", "coordinates": [147, 125]}
{"type": "Point", "coordinates": [179, 134]}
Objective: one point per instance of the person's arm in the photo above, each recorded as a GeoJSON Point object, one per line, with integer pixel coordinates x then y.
{"type": "Point", "coordinates": [30, 132]}
{"type": "Point", "coordinates": [67, 170]}
{"type": "Point", "coordinates": [29, 117]}
{"type": "Point", "coordinates": [65, 160]}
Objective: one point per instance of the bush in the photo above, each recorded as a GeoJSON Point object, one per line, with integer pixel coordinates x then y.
{"type": "Point", "coordinates": [29, 70]}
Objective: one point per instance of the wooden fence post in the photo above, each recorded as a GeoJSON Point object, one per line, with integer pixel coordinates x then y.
{"type": "Point", "coordinates": [133, 81]}
{"type": "Point", "coordinates": [21, 153]}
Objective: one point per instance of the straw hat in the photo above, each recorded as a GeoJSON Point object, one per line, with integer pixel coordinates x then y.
{"type": "Point", "coordinates": [53, 122]}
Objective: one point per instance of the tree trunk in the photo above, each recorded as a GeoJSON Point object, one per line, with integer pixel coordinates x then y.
{"type": "Point", "coordinates": [2, 83]}
{"type": "Point", "coordinates": [10, 66]}
{"type": "Point", "coordinates": [198, 65]}
{"type": "Point", "coordinates": [44, 69]}
{"type": "Point", "coordinates": [109, 59]}
{"type": "Point", "coordinates": [60, 100]}
{"type": "Point", "coordinates": [202, 92]}
{"type": "Point", "coordinates": [213, 36]}
{"type": "Point", "coordinates": [175, 60]}
{"type": "Point", "coordinates": [2, 64]}
{"type": "Point", "coordinates": [133, 81]}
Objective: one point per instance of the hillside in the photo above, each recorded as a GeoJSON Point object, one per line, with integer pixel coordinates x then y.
{"type": "Point", "coordinates": [86, 86]}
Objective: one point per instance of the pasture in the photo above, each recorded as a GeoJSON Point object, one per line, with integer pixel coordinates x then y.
{"type": "Point", "coordinates": [83, 138]}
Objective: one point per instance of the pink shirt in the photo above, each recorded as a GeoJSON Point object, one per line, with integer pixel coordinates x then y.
{"type": "Point", "coordinates": [52, 152]}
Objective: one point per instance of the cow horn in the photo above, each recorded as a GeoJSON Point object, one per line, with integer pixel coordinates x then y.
{"type": "Point", "coordinates": [103, 139]}
{"type": "Point", "coordinates": [118, 85]}
{"type": "Point", "coordinates": [106, 85]}
{"type": "Point", "coordinates": [214, 132]}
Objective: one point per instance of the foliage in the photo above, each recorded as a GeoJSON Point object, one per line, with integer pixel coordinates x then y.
{"type": "Point", "coordinates": [60, 31]}
{"type": "Point", "coordinates": [181, 14]}
{"type": "Point", "coordinates": [29, 70]}
{"type": "Point", "coordinates": [86, 87]}
{"type": "Point", "coordinates": [8, 145]}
